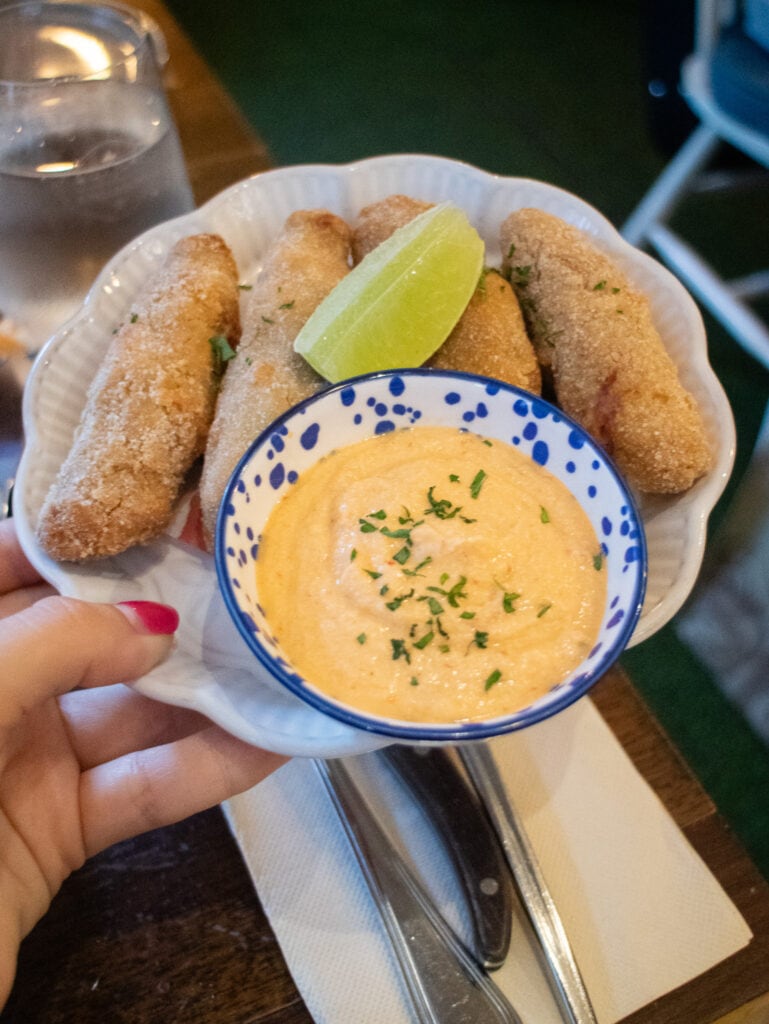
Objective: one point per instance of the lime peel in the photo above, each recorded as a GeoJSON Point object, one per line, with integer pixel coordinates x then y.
{"type": "Point", "coordinates": [401, 302]}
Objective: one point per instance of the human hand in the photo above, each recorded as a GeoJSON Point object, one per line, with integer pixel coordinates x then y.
{"type": "Point", "coordinates": [86, 761]}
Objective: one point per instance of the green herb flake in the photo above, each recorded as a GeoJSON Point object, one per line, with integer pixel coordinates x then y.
{"type": "Point", "coordinates": [380, 514]}
{"type": "Point", "coordinates": [508, 601]}
{"type": "Point", "coordinates": [416, 570]}
{"type": "Point", "coordinates": [544, 516]}
{"type": "Point", "coordinates": [245, 287]}
{"type": "Point", "coordinates": [480, 639]}
{"type": "Point", "coordinates": [366, 526]}
{"type": "Point", "coordinates": [400, 650]}
{"type": "Point", "coordinates": [492, 680]}
{"type": "Point", "coordinates": [361, 638]}
{"type": "Point", "coordinates": [353, 554]}
{"type": "Point", "coordinates": [543, 609]}
{"type": "Point", "coordinates": [441, 507]}
{"type": "Point", "coordinates": [134, 317]}
{"type": "Point", "coordinates": [287, 305]}
{"type": "Point", "coordinates": [467, 615]}
{"type": "Point", "coordinates": [267, 320]}
{"type": "Point", "coordinates": [598, 561]}
{"type": "Point", "coordinates": [454, 594]}
{"type": "Point", "coordinates": [475, 486]}
{"type": "Point", "coordinates": [454, 478]}
{"type": "Point", "coordinates": [372, 573]}
{"type": "Point", "coordinates": [396, 602]}
{"type": "Point", "coordinates": [435, 606]}
{"type": "Point", "coordinates": [402, 534]}
{"type": "Point", "coordinates": [221, 349]}
{"type": "Point", "coordinates": [402, 556]}
{"type": "Point", "coordinates": [414, 681]}
{"type": "Point", "coordinates": [599, 287]}
{"type": "Point", "coordinates": [424, 641]}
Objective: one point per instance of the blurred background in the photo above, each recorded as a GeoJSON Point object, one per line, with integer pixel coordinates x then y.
{"type": "Point", "coordinates": [582, 95]}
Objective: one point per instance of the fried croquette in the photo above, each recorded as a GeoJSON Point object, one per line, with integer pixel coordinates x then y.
{"type": "Point", "coordinates": [490, 337]}
{"type": "Point", "coordinates": [377, 221]}
{"type": "Point", "coordinates": [593, 330]}
{"type": "Point", "coordinates": [148, 409]}
{"type": "Point", "coordinates": [267, 377]}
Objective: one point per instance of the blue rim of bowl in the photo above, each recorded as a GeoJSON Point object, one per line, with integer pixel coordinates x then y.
{"type": "Point", "coordinates": [451, 732]}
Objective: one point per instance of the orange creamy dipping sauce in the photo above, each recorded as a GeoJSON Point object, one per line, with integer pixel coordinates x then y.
{"type": "Point", "coordinates": [431, 575]}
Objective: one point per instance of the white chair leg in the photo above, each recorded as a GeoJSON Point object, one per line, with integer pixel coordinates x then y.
{"type": "Point", "coordinates": [742, 323]}
{"type": "Point", "coordinates": [674, 180]}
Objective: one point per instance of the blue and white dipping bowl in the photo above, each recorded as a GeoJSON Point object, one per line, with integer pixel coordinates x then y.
{"type": "Point", "coordinates": [374, 404]}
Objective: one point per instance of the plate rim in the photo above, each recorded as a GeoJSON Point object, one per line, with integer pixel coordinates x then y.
{"type": "Point", "coordinates": [695, 506]}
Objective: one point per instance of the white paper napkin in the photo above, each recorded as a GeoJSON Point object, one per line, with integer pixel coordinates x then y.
{"type": "Point", "coordinates": [641, 908]}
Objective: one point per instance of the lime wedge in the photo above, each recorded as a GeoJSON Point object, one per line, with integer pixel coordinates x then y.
{"type": "Point", "coordinates": [400, 303]}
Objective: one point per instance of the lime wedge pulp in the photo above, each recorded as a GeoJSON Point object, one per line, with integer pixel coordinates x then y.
{"type": "Point", "coordinates": [401, 302]}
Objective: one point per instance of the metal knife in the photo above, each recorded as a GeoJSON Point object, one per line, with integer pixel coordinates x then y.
{"type": "Point", "coordinates": [452, 805]}
{"type": "Point", "coordinates": [443, 982]}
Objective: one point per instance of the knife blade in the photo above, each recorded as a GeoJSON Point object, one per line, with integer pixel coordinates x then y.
{"type": "Point", "coordinates": [472, 842]}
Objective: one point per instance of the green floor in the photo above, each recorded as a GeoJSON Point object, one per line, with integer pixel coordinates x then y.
{"type": "Point", "coordinates": [552, 90]}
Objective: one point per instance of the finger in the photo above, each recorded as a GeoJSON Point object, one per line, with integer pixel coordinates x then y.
{"type": "Point", "coordinates": [106, 723]}
{"type": "Point", "coordinates": [152, 788]}
{"type": "Point", "coordinates": [60, 643]}
{"type": "Point", "coordinates": [16, 600]}
{"type": "Point", "coordinates": [15, 570]}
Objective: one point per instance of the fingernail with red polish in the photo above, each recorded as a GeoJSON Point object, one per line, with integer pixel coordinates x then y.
{"type": "Point", "coordinates": [156, 618]}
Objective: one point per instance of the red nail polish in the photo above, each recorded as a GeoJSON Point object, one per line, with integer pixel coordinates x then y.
{"type": "Point", "coordinates": [156, 618]}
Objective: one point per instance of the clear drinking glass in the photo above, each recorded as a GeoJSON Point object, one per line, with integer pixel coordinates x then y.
{"type": "Point", "coordinates": [89, 155]}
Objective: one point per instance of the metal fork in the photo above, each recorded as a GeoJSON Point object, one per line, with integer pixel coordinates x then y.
{"type": "Point", "coordinates": [560, 964]}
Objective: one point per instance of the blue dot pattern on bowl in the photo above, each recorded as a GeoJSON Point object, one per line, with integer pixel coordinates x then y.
{"type": "Point", "coordinates": [378, 403]}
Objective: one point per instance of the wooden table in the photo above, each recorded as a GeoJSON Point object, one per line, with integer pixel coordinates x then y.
{"type": "Point", "coordinates": [167, 927]}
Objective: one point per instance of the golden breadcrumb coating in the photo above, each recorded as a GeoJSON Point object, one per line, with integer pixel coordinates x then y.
{"type": "Point", "coordinates": [377, 221]}
{"type": "Point", "coordinates": [148, 408]}
{"type": "Point", "coordinates": [610, 369]}
{"type": "Point", "coordinates": [267, 377]}
{"type": "Point", "coordinates": [490, 337]}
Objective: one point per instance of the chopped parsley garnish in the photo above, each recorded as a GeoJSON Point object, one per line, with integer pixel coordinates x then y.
{"type": "Point", "coordinates": [221, 349]}
{"type": "Point", "coordinates": [475, 486]}
{"type": "Point", "coordinates": [400, 650]}
{"type": "Point", "coordinates": [598, 561]}
{"type": "Point", "coordinates": [437, 603]}
{"type": "Point", "coordinates": [492, 680]}
{"type": "Point", "coordinates": [424, 641]}
{"type": "Point", "coordinates": [396, 602]}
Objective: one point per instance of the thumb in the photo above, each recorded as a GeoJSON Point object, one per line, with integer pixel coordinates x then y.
{"type": "Point", "coordinates": [60, 643]}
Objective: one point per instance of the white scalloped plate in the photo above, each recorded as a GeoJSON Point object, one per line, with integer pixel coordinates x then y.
{"type": "Point", "coordinates": [210, 669]}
